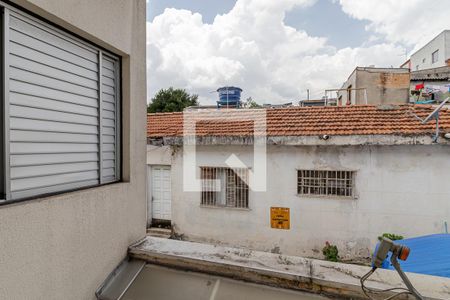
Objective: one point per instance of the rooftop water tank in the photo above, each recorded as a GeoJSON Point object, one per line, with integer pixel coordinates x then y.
{"type": "Point", "coordinates": [229, 96]}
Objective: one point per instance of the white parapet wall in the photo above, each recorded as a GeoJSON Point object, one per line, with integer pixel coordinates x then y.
{"type": "Point", "coordinates": [316, 276]}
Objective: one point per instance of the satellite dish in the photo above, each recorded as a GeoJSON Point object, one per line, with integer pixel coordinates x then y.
{"type": "Point", "coordinates": [435, 111]}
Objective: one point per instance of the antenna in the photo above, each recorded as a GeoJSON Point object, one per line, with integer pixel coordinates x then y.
{"type": "Point", "coordinates": [434, 115]}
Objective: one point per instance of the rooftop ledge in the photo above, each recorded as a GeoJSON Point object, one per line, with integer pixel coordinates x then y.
{"type": "Point", "coordinates": [322, 140]}
{"type": "Point", "coordinates": [292, 272]}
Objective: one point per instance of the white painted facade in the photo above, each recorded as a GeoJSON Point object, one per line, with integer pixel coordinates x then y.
{"type": "Point", "coordinates": [400, 189]}
{"type": "Point", "coordinates": [422, 59]}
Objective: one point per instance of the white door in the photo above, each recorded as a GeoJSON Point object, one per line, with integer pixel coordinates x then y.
{"type": "Point", "coordinates": [161, 193]}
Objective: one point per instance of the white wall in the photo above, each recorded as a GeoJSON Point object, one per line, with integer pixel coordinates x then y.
{"type": "Point", "coordinates": [64, 246]}
{"type": "Point", "coordinates": [441, 42]}
{"type": "Point", "coordinates": [401, 189]}
{"type": "Point", "coordinates": [447, 45]}
{"type": "Point", "coordinates": [159, 155]}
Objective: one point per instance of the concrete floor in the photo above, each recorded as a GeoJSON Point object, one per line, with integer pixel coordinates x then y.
{"type": "Point", "coordinates": [160, 283]}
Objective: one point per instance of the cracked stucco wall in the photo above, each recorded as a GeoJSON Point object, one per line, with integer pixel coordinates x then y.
{"type": "Point", "coordinates": [401, 189]}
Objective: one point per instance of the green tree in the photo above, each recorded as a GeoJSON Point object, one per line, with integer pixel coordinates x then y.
{"type": "Point", "coordinates": [250, 103]}
{"type": "Point", "coordinates": [169, 100]}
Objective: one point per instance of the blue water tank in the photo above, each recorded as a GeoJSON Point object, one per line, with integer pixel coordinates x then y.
{"type": "Point", "coordinates": [229, 96]}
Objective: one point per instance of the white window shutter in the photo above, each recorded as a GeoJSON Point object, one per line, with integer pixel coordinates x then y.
{"type": "Point", "coordinates": [62, 110]}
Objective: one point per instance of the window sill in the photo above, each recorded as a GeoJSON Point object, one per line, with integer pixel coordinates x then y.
{"type": "Point", "coordinates": [331, 197]}
{"type": "Point", "coordinates": [225, 207]}
{"type": "Point", "coordinates": [67, 193]}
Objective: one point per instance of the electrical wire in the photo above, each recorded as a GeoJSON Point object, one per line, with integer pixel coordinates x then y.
{"type": "Point", "coordinates": [398, 294]}
{"type": "Point", "coordinates": [366, 289]}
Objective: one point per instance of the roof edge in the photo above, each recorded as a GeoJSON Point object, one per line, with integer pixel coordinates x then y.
{"type": "Point", "coordinates": [323, 140]}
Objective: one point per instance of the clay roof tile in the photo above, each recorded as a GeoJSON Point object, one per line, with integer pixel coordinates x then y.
{"type": "Point", "coordinates": [304, 121]}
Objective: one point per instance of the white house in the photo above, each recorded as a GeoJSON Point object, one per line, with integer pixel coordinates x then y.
{"type": "Point", "coordinates": [339, 174]}
{"type": "Point", "coordinates": [434, 54]}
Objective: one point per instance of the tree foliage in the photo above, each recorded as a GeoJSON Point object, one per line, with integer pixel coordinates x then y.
{"type": "Point", "coordinates": [169, 100]}
{"type": "Point", "coordinates": [250, 103]}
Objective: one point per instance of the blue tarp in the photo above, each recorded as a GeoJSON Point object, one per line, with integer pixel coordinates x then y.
{"type": "Point", "coordinates": [425, 101]}
{"type": "Point", "coordinates": [429, 255]}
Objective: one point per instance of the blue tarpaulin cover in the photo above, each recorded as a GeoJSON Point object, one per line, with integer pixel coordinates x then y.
{"type": "Point", "coordinates": [429, 255]}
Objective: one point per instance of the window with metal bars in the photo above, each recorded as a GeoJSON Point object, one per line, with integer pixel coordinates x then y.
{"type": "Point", "coordinates": [325, 183]}
{"type": "Point", "coordinates": [224, 187]}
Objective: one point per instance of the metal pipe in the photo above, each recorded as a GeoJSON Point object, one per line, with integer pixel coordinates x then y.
{"type": "Point", "coordinates": [405, 279]}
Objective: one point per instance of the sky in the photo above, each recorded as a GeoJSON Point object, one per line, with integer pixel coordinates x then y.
{"type": "Point", "coordinates": [276, 50]}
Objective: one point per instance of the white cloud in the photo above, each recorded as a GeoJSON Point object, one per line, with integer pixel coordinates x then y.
{"type": "Point", "coordinates": [410, 22]}
{"type": "Point", "coordinates": [253, 48]}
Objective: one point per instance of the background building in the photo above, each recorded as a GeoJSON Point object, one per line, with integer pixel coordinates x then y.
{"type": "Point", "coordinates": [434, 54]}
{"type": "Point", "coordinates": [370, 85]}
{"type": "Point", "coordinates": [72, 165]}
{"type": "Point", "coordinates": [324, 101]}
{"type": "Point", "coordinates": [430, 85]}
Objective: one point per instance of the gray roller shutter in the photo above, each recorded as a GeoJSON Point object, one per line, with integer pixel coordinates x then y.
{"type": "Point", "coordinates": [63, 105]}
{"type": "Point", "coordinates": [110, 110]}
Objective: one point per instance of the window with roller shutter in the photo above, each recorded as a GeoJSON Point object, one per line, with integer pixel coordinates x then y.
{"type": "Point", "coordinates": [61, 110]}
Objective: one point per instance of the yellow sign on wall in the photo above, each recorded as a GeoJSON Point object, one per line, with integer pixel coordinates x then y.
{"type": "Point", "coordinates": [280, 217]}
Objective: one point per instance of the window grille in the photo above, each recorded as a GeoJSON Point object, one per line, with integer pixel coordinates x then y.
{"type": "Point", "coordinates": [224, 187]}
{"type": "Point", "coordinates": [325, 183]}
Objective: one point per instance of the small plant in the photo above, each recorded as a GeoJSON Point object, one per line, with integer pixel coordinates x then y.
{"type": "Point", "coordinates": [330, 252]}
{"type": "Point", "coordinates": [391, 236]}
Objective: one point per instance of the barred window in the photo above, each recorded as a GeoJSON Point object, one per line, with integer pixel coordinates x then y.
{"type": "Point", "coordinates": [224, 187]}
{"type": "Point", "coordinates": [325, 183]}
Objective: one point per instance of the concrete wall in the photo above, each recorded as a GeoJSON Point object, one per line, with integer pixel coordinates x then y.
{"type": "Point", "coordinates": [159, 155]}
{"type": "Point", "coordinates": [421, 59]}
{"type": "Point", "coordinates": [383, 86]}
{"type": "Point", "coordinates": [400, 189]}
{"type": "Point", "coordinates": [349, 96]}
{"type": "Point", "coordinates": [64, 246]}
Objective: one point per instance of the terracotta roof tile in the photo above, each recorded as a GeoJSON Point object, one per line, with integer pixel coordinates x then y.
{"type": "Point", "coordinates": [305, 121]}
